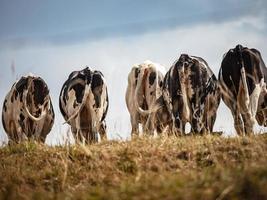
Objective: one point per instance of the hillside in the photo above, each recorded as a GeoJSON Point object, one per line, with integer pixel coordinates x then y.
{"type": "Point", "coordinates": [190, 167]}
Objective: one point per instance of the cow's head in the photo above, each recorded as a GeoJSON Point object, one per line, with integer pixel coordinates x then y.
{"type": "Point", "coordinates": [36, 98]}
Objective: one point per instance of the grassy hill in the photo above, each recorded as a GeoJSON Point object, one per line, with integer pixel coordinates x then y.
{"type": "Point", "coordinates": [193, 167]}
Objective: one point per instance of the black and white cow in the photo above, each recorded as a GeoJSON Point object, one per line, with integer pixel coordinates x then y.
{"type": "Point", "coordinates": [84, 104]}
{"type": "Point", "coordinates": [242, 77]}
{"type": "Point", "coordinates": [191, 94]}
{"type": "Point", "coordinates": [144, 87]}
{"type": "Point", "coordinates": [27, 110]}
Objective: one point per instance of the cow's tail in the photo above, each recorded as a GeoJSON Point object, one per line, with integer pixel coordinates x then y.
{"type": "Point", "coordinates": [44, 110]}
{"type": "Point", "coordinates": [139, 91]}
{"type": "Point", "coordinates": [87, 90]}
{"type": "Point", "coordinates": [158, 91]}
{"type": "Point", "coordinates": [243, 77]}
{"type": "Point", "coordinates": [186, 110]}
{"type": "Point", "coordinates": [154, 109]}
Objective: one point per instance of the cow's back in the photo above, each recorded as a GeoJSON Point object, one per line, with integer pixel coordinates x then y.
{"type": "Point", "coordinates": [189, 86]}
{"type": "Point", "coordinates": [84, 103]}
{"type": "Point", "coordinates": [16, 120]}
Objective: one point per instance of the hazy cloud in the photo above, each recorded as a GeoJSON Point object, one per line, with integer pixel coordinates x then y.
{"type": "Point", "coordinates": [67, 22]}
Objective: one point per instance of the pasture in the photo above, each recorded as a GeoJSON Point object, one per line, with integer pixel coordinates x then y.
{"type": "Point", "coordinates": [191, 167]}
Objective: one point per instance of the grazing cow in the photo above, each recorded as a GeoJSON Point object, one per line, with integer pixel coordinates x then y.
{"type": "Point", "coordinates": [84, 104]}
{"type": "Point", "coordinates": [242, 78]}
{"type": "Point", "coordinates": [191, 94]}
{"type": "Point", "coordinates": [27, 110]}
{"type": "Point", "coordinates": [144, 87]}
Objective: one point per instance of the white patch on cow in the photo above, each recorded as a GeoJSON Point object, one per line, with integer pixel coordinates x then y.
{"type": "Point", "coordinates": [245, 87]}
{"type": "Point", "coordinates": [70, 110]}
{"type": "Point", "coordinates": [158, 66]}
{"type": "Point", "coordinates": [186, 110]}
{"type": "Point", "coordinates": [254, 98]}
{"type": "Point", "coordinates": [187, 127]}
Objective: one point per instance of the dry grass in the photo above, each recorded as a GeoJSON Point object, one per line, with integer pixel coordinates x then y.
{"type": "Point", "coordinates": [208, 167]}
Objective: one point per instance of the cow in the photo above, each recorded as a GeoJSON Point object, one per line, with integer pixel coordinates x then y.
{"type": "Point", "coordinates": [242, 78]}
{"type": "Point", "coordinates": [84, 102]}
{"type": "Point", "coordinates": [144, 88]}
{"type": "Point", "coordinates": [191, 94]}
{"type": "Point", "coordinates": [27, 110]}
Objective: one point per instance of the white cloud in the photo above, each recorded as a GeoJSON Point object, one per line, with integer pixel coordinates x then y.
{"type": "Point", "coordinates": [114, 57]}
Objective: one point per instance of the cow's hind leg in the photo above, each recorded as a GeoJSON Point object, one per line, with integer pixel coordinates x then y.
{"type": "Point", "coordinates": [239, 127]}
{"type": "Point", "coordinates": [102, 131]}
{"type": "Point", "coordinates": [179, 127]}
{"type": "Point", "coordinates": [238, 123]}
{"type": "Point", "coordinates": [134, 123]}
{"type": "Point", "coordinates": [198, 122]}
{"type": "Point", "coordinates": [248, 123]}
{"type": "Point", "coordinates": [13, 135]}
{"type": "Point", "coordinates": [211, 122]}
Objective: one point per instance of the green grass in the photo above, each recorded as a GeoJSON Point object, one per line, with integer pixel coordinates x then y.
{"type": "Point", "coordinates": [192, 167]}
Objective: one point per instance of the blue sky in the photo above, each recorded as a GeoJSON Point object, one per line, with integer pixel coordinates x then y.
{"type": "Point", "coordinates": [52, 38]}
{"type": "Point", "coordinates": [68, 21]}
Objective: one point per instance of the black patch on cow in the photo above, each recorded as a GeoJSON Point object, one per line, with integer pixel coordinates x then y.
{"type": "Point", "coordinates": [52, 112]}
{"type": "Point", "coordinates": [21, 121]}
{"type": "Point", "coordinates": [3, 122]}
{"type": "Point", "coordinates": [75, 104]}
{"type": "Point", "coordinates": [20, 86]}
{"type": "Point", "coordinates": [40, 91]}
{"type": "Point", "coordinates": [88, 74]}
{"type": "Point", "coordinates": [21, 117]}
{"type": "Point", "coordinates": [97, 84]}
{"type": "Point", "coordinates": [79, 91]}
{"type": "Point", "coordinates": [63, 95]}
{"type": "Point", "coordinates": [97, 80]}
{"type": "Point", "coordinates": [106, 108]}
{"type": "Point", "coordinates": [4, 105]}
{"type": "Point", "coordinates": [136, 74]}
{"type": "Point", "coordinates": [161, 84]}
{"type": "Point", "coordinates": [152, 78]}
